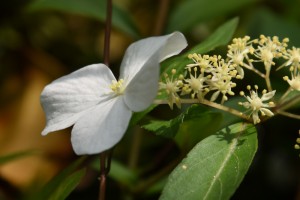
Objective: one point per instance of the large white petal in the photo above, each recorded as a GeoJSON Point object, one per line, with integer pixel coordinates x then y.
{"type": "Point", "coordinates": [143, 88]}
{"type": "Point", "coordinates": [67, 98]}
{"type": "Point", "coordinates": [140, 67]}
{"type": "Point", "coordinates": [101, 128]}
{"type": "Point", "coordinates": [140, 52]}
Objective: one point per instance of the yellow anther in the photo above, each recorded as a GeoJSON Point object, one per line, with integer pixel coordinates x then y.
{"type": "Point", "coordinates": [117, 86]}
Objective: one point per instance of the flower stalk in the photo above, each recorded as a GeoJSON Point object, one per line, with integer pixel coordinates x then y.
{"type": "Point", "coordinates": [104, 159]}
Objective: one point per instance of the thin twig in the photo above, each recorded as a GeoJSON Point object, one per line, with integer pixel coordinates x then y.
{"type": "Point", "coordinates": [105, 159]}
{"type": "Point", "coordinates": [103, 173]}
{"type": "Point", "coordinates": [287, 114]}
{"type": "Point", "coordinates": [268, 81]}
{"type": "Point", "coordinates": [107, 32]}
{"type": "Point", "coordinates": [208, 103]}
{"type": "Point", "coordinates": [285, 94]}
{"type": "Point", "coordinates": [252, 68]}
{"type": "Point", "coordinates": [161, 16]}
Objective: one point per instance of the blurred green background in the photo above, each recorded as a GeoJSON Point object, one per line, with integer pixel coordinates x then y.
{"type": "Point", "coordinates": [41, 42]}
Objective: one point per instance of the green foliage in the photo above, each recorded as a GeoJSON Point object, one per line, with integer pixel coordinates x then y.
{"type": "Point", "coordinates": [90, 8]}
{"type": "Point", "coordinates": [197, 128]}
{"type": "Point", "coordinates": [136, 117]}
{"type": "Point", "coordinates": [67, 185]}
{"type": "Point", "coordinates": [266, 22]}
{"type": "Point", "coordinates": [62, 184]}
{"type": "Point", "coordinates": [196, 11]}
{"type": "Point", "coordinates": [195, 118]}
{"type": "Point", "coordinates": [215, 167]}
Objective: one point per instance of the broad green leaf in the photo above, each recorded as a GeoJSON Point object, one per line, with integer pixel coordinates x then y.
{"type": "Point", "coordinates": [13, 156]}
{"type": "Point", "coordinates": [196, 129]}
{"type": "Point", "coordinates": [161, 128]}
{"type": "Point", "coordinates": [264, 21]}
{"type": "Point", "coordinates": [90, 8]}
{"type": "Point", "coordinates": [195, 113]}
{"type": "Point", "coordinates": [46, 191]}
{"type": "Point", "coordinates": [67, 186]}
{"type": "Point", "coordinates": [136, 117]}
{"type": "Point", "coordinates": [215, 167]}
{"type": "Point", "coordinates": [218, 38]}
{"type": "Point", "coordinates": [192, 12]}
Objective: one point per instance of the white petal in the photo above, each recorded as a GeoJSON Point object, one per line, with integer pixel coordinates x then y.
{"type": "Point", "coordinates": [255, 117]}
{"type": "Point", "coordinates": [268, 95]}
{"type": "Point", "coordinates": [214, 96]}
{"type": "Point", "coordinates": [101, 128]}
{"type": "Point", "coordinates": [175, 44]}
{"type": "Point", "coordinates": [240, 71]}
{"type": "Point", "coordinates": [138, 53]}
{"type": "Point", "coordinates": [67, 98]}
{"type": "Point", "coordinates": [267, 112]}
{"type": "Point", "coordinates": [140, 67]}
{"type": "Point", "coordinates": [142, 90]}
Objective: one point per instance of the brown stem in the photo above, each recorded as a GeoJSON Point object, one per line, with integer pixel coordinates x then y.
{"type": "Point", "coordinates": [107, 32]}
{"type": "Point", "coordinates": [161, 16]}
{"type": "Point", "coordinates": [105, 159]}
{"type": "Point", "coordinates": [103, 174]}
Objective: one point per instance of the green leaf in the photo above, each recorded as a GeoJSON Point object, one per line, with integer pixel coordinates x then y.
{"type": "Point", "coordinates": [170, 128]}
{"type": "Point", "coordinates": [13, 156]}
{"type": "Point", "coordinates": [196, 129]}
{"type": "Point", "coordinates": [192, 12]}
{"type": "Point", "coordinates": [90, 8]}
{"type": "Point", "coordinates": [190, 127]}
{"type": "Point", "coordinates": [67, 186]}
{"type": "Point", "coordinates": [220, 37]}
{"type": "Point", "coordinates": [215, 167]}
{"type": "Point", "coordinates": [136, 117]}
{"type": "Point", "coordinates": [46, 191]}
{"type": "Point", "coordinates": [264, 21]}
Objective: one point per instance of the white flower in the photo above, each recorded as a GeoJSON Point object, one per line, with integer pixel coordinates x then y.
{"type": "Point", "coordinates": [257, 105]}
{"type": "Point", "coordinates": [195, 84]}
{"type": "Point", "coordinates": [98, 105]}
{"type": "Point", "coordinates": [294, 82]}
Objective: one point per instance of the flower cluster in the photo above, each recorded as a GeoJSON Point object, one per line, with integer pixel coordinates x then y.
{"type": "Point", "coordinates": [208, 74]}
{"type": "Point", "coordinates": [214, 78]}
{"type": "Point", "coordinates": [293, 61]}
{"type": "Point", "coordinates": [243, 51]}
